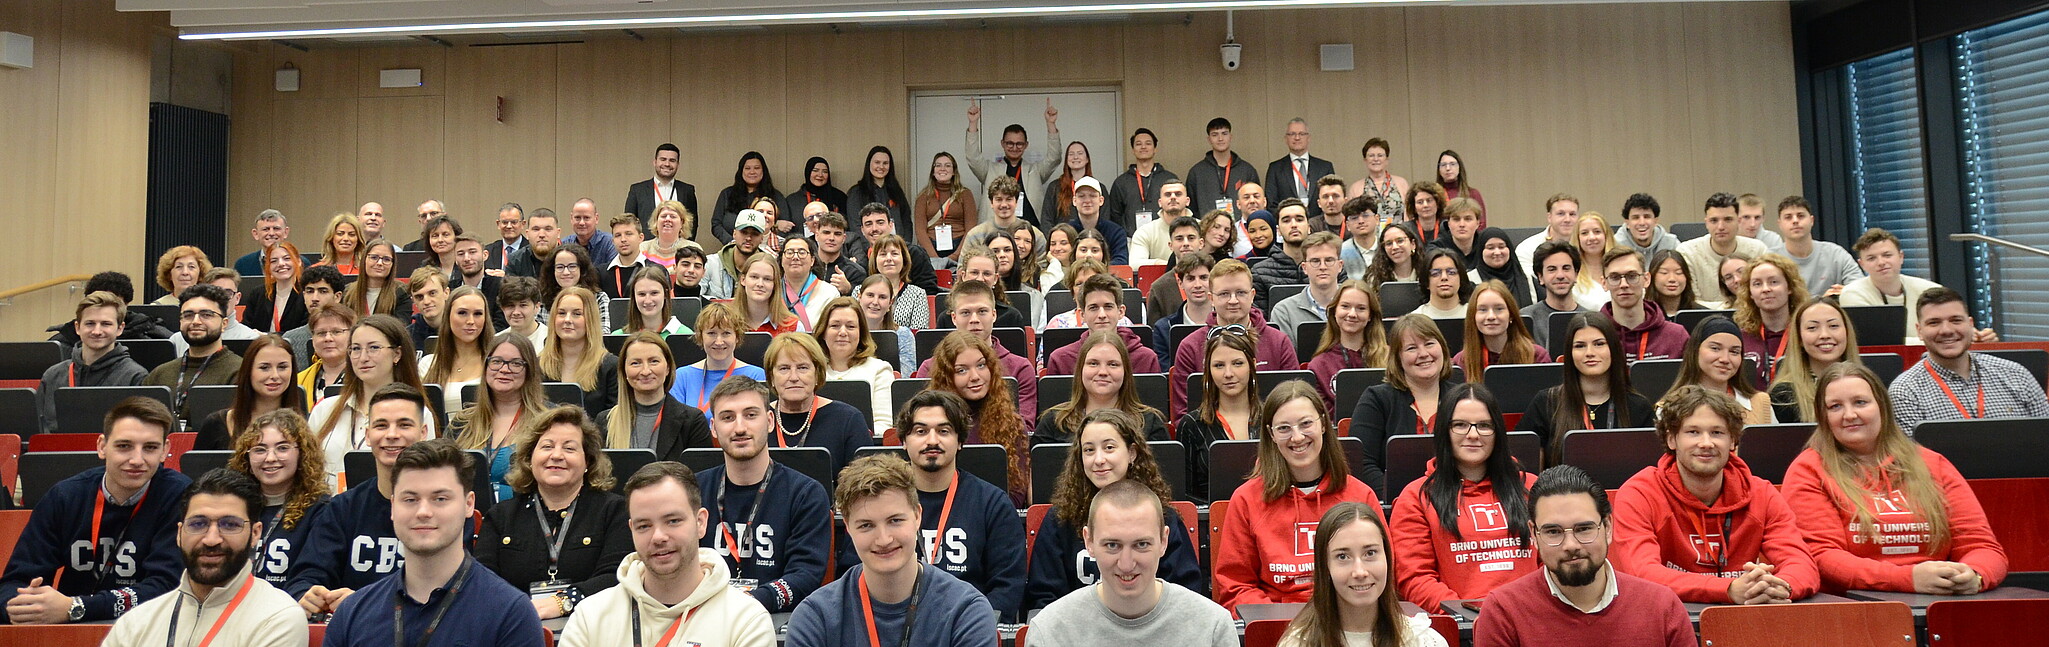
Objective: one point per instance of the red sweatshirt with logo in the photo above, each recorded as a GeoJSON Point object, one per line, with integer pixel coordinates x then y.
{"type": "Point", "coordinates": [1663, 533]}
{"type": "Point", "coordinates": [1267, 552]}
{"type": "Point", "coordinates": [1433, 567]}
{"type": "Point", "coordinates": [1848, 556]}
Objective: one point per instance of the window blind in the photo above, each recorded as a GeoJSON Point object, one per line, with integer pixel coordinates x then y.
{"type": "Point", "coordinates": [2003, 109]}
{"type": "Point", "coordinates": [1888, 183]}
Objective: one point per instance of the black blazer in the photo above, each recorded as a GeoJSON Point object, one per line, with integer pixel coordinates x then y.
{"type": "Point", "coordinates": [683, 427]}
{"type": "Point", "coordinates": [512, 544]}
{"type": "Point", "coordinates": [1280, 181]}
{"type": "Point", "coordinates": [495, 256]}
{"type": "Point", "coordinates": [730, 202]}
{"type": "Point", "coordinates": [256, 311]}
{"type": "Point", "coordinates": [489, 285]}
{"type": "Point", "coordinates": [600, 399]}
{"type": "Point", "coordinates": [613, 280]}
{"type": "Point", "coordinates": [640, 201]}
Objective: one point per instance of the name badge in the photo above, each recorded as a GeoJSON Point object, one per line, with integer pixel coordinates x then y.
{"type": "Point", "coordinates": [1224, 203]}
{"type": "Point", "coordinates": [942, 237]}
{"type": "Point", "coordinates": [547, 588]}
{"type": "Point", "coordinates": [1145, 218]}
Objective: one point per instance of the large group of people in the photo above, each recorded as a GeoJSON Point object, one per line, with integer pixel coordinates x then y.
{"type": "Point", "coordinates": [491, 380]}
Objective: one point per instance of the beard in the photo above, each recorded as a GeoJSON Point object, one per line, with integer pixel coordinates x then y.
{"type": "Point", "coordinates": [207, 336]}
{"type": "Point", "coordinates": [215, 575]}
{"type": "Point", "coordinates": [1576, 576]}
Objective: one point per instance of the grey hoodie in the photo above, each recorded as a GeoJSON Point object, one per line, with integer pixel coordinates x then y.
{"type": "Point", "coordinates": [1661, 240]}
{"type": "Point", "coordinates": [113, 369]}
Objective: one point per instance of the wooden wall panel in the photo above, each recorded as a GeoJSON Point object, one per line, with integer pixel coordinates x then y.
{"type": "Point", "coordinates": [733, 102]}
{"type": "Point", "coordinates": [1745, 135]}
{"type": "Point", "coordinates": [611, 111]}
{"type": "Point", "coordinates": [837, 126]}
{"type": "Point", "coordinates": [398, 146]}
{"type": "Point", "coordinates": [76, 137]}
{"type": "Point", "coordinates": [317, 172]}
{"type": "Point", "coordinates": [489, 162]}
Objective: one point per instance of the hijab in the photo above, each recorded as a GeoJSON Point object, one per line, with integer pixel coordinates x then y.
{"type": "Point", "coordinates": [832, 197]}
{"type": "Point", "coordinates": [1508, 274]}
{"type": "Point", "coordinates": [1272, 224]}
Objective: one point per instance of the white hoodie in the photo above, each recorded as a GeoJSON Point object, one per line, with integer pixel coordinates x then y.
{"type": "Point", "coordinates": [724, 617]}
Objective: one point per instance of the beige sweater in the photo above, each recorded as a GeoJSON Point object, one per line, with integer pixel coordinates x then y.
{"type": "Point", "coordinates": [267, 617]}
{"type": "Point", "coordinates": [725, 617]}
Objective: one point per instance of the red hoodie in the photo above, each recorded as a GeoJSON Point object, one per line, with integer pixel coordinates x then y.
{"type": "Point", "coordinates": [1663, 533]}
{"type": "Point", "coordinates": [1433, 567]}
{"type": "Point", "coordinates": [1063, 360]}
{"type": "Point", "coordinates": [1267, 552]}
{"type": "Point", "coordinates": [1654, 338]}
{"type": "Point", "coordinates": [1850, 560]}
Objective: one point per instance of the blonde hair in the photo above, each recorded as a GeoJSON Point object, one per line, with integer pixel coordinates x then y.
{"type": "Point", "coordinates": [1590, 272]}
{"type": "Point", "coordinates": [597, 471]}
{"type": "Point", "coordinates": [619, 426]}
{"type": "Point", "coordinates": [585, 373]}
{"type": "Point", "coordinates": [1519, 349]}
{"type": "Point", "coordinates": [170, 258]}
{"type": "Point", "coordinates": [329, 253]}
{"type": "Point", "coordinates": [1899, 464]}
{"type": "Point", "coordinates": [1748, 317]}
{"type": "Point", "coordinates": [478, 419]}
{"type": "Point", "coordinates": [1375, 350]}
{"type": "Point", "coordinates": [778, 312]}
{"type": "Point", "coordinates": [1423, 328]}
{"type": "Point", "coordinates": [1794, 370]}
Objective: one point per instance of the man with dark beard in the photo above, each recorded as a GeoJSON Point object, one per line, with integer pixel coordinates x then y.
{"type": "Point", "coordinates": [217, 532]}
{"type": "Point", "coordinates": [204, 311]}
{"type": "Point", "coordinates": [1578, 598]}
{"type": "Point", "coordinates": [969, 528]}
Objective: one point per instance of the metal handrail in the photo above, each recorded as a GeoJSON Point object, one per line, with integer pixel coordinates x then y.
{"type": "Point", "coordinates": [41, 285]}
{"type": "Point", "coordinates": [1981, 238]}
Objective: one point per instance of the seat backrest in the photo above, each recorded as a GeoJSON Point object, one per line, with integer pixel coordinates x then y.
{"type": "Point", "coordinates": [78, 635]}
{"type": "Point", "coordinates": [63, 442]}
{"type": "Point", "coordinates": [18, 412]}
{"type": "Point", "coordinates": [1653, 377]}
{"type": "Point", "coordinates": [12, 522]}
{"type": "Point", "coordinates": [83, 409]}
{"type": "Point", "coordinates": [201, 461]}
{"type": "Point", "coordinates": [1611, 456]}
{"type": "Point", "coordinates": [177, 445]}
{"type": "Point", "coordinates": [1820, 624]}
{"type": "Point", "coordinates": [1308, 335]}
{"type": "Point", "coordinates": [1888, 366]}
{"type": "Point", "coordinates": [41, 470]}
{"type": "Point", "coordinates": [1768, 449]}
{"type": "Point", "coordinates": [10, 462]}
{"type": "Point", "coordinates": [753, 346]}
{"type": "Point", "coordinates": [1514, 385]}
{"type": "Point", "coordinates": [1048, 459]}
{"type": "Point", "coordinates": [150, 353]}
{"type": "Point", "coordinates": [1688, 319]}
{"type": "Point", "coordinates": [1985, 622]}
{"type": "Point", "coordinates": [1400, 297]}
{"type": "Point", "coordinates": [2034, 359]}
{"type": "Point", "coordinates": [1989, 448]}
{"type": "Point", "coordinates": [1351, 384]}
{"type": "Point", "coordinates": [1559, 341]}
{"type": "Point", "coordinates": [625, 462]}
{"type": "Point", "coordinates": [854, 392]}
{"type": "Point", "coordinates": [2013, 507]}
{"type": "Point", "coordinates": [26, 360]}
{"type": "Point", "coordinates": [1034, 516]}
{"type": "Point", "coordinates": [1881, 325]}
{"type": "Point", "coordinates": [204, 400]}
{"type": "Point", "coordinates": [1146, 274]}
{"type": "Point", "coordinates": [1265, 633]}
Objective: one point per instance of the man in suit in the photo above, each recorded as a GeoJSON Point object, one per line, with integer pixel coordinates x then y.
{"type": "Point", "coordinates": [1295, 175]}
{"type": "Point", "coordinates": [645, 195]}
{"type": "Point", "coordinates": [511, 237]}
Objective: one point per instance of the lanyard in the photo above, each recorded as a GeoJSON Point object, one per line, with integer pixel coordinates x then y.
{"type": "Point", "coordinates": [1141, 186]}
{"type": "Point", "coordinates": [277, 315]}
{"type": "Point", "coordinates": [803, 432]}
{"type": "Point", "coordinates": [492, 449]}
{"type": "Point", "coordinates": [617, 282]}
{"type": "Point", "coordinates": [910, 613]}
{"type": "Point", "coordinates": [1773, 372]}
{"type": "Point", "coordinates": [1225, 181]}
{"type": "Point", "coordinates": [1953, 399]}
{"type": "Point", "coordinates": [1643, 341]}
{"type": "Point", "coordinates": [704, 383]}
{"type": "Point", "coordinates": [398, 608]}
{"type": "Point", "coordinates": [1721, 555]}
{"type": "Point", "coordinates": [1226, 424]}
{"type": "Point", "coordinates": [1423, 424]}
{"type": "Point", "coordinates": [72, 371]}
{"type": "Point", "coordinates": [184, 389]}
{"type": "Point", "coordinates": [556, 536]}
{"type": "Point", "coordinates": [1586, 416]}
{"type": "Point", "coordinates": [667, 635]}
{"type": "Point", "coordinates": [796, 299]}
{"type": "Point", "coordinates": [753, 510]}
{"type": "Point", "coordinates": [658, 191]}
{"type": "Point", "coordinates": [932, 557]}
{"type": "Point", "coordinates": [1294, 164]}
{"type": "Point", "coordinates": [171, 639]}
{"type": "Point", "coordinates": [99, 512]}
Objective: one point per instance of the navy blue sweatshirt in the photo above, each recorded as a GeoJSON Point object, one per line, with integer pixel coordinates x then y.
{"type": "Point", "coordinates": [351, 544]}
{"type": "Point", "coordinates": [139, 544]}
{"type": "Point", "coordinates": [486, 611]}
{"type": "Point", "coordinates": [283, 546]}
{"type": "Point", "coordinates": [838, 427]}
{"type": "Point", "coordinates": [784, 549]}
{"type": "Point", "coordinates": [1061, 563]}
{"type": "Point", "coordinates": [950, 613]}
{"type": "Point", "coordinates": [982, 542]}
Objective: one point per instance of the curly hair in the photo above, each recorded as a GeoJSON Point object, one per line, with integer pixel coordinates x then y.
{"type": "Point", "coordinates": [309, 479]}
{"type": "Point", "coordinates": [1073, 490]}
{"type": "Point", "coordinates": [597, 471]}
{"type": "Point", "coordinates": [996, 418]}
{"type": "Point", "coordinates": [170, 258]}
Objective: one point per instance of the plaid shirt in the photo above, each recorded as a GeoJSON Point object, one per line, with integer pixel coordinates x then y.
{"type": "Point", "coordinates": [2009, 391]}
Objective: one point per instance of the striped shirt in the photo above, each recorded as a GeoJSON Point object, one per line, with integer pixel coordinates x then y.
{"type": "Point", "coordinates": [2009, 391]}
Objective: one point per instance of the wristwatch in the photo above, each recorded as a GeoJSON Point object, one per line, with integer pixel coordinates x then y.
{"type": "Point", "coordinates": [77, 608]}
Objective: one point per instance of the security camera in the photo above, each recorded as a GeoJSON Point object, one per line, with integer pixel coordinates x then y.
{"type": "Point", "coordinates": [1233, 55]}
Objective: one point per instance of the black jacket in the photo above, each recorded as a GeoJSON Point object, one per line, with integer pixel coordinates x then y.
{"type": "Point", "coordinates": [1278, 269]}
{"type": "Point", "coordinates": [1049, 430]}
{"type": "Point", "coordinates": [1126, 199]}
{"type": "Point", "coordinates": [514, 545]}
{"type": "Point", "coordinates": [730, 203]}
{"type": "Point", "coordinates": [1280, 181]}
{"type": "Point", "coordinates": [683, 427]}
{"type": "Point", "coordinates": [640, 200]}
{"type": "Point", "coordinates": [599, 399]}
{"type": "Point", "coordinates": [1197, 433]}
{"type": "Point", "coordinates": [864, 192]}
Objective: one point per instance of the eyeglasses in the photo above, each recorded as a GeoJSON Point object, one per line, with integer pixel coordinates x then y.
{"type": "Point", "coordinates": [1289, 431]}
{"type": "Point", "coordinates": [1233, 295]}
{"type": "Point", "coordinates": [1326, 260]}
{"type": "Point", "coordinates": [565, 267]}
{"type": "Point", "coordinates": [1476, 428]}
{"type": "Point", "coordinates": [796, 252]}
{"type": "Point", "coordinates": [227, 525]}
{"type": "Point", "coordinates": [197, 315]}
{"type": "Point", "coordinates": [1584, 533]}
{"type": "Point", "coordinates": [261, 451]}
{"type": "Point", "coordinates": [502, 364]}
{"type": "Point", "coordinates": [1631, 278]}
{"type": "Point", "coordinates": [378, 258]}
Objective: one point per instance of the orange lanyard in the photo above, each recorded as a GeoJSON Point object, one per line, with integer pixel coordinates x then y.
{"type": "Point", "coordinates": [676, 625]}
{"type": "Point", "coordinates": [218, 623]}
{"type": "Point", "coordinates": [1944, 384]}
{"type": "Point", "coordinates": [1299, 181]}
{"type": "Point", "coordinates": [1226, 424]}
{"type": "Point", "coordinates": [72, 371]}
{"type": "Point", "coordinates": [868, 613]}
{"type": "Point", "coordinates": [931, 557]}
{"type": "Point", "coordinates": [1773, 373]}
{"type": "Point", "coordinates": [1643, 342]}
{"type": "Point", "coordinates": [1586, 416]}
{"type": "Point", "coordinates": [658, 192]}
{"type": "Point", "coordinates": [780, 442]}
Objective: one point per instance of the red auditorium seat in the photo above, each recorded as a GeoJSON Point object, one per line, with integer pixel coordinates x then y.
{"type": "Point", "coordinates": [1146, 274]}
{"type": "Point", "coordinates": [1034, 516]}
{"type": "Point", "coordinates": [63, 443]}
{"type": "Point", "coordinates": [180, 443]}
{"type": "Point", "coordinates": [945, 278]}
{"type": "Point", "coordinates": [1825, 624]}
{"type": "Point", "coordinates": [1985, 622]}
{"type": "Point", "coordinates": [10, 460]}
{"type": "Point", "coordinates": [12, 522]}
{"type": "Point", "coordinates": [78, 635]}
{"type": "Point", "coordinates": [1265, 633]}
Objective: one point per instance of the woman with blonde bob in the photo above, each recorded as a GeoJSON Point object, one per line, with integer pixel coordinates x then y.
{"type": "Point", "coordinates": [575, 352]}
{"type": "Point", "coordinates": [1861, 478]}
{"type": "Point", "coordinates": [342, 246]}
{"type": "Point", "coordinates": [1821, 336]}
{"type": "Point", "coordinates": [179, 268]}
{"type": "Point", "coordinates": [279, 451]}
{"type": "Point", "coordinates": [673, 225]}
{"type": "Point", "coordinates": [647, 415]}
{"type": "Point", "coordinates": [1300, 474]}
{"type": "Point", "coordinates": [1352, 548]}
{"type": "Point", "coordinates": [890, 258]}
{"type": "Point", "coordinates": [850, 355]}
{"type": "Point", "coordinates": [511, 392]}
{"type": "Point", "coordinates": [1494, 325]}
{"type": "Point", "coordinates": [563, 484]}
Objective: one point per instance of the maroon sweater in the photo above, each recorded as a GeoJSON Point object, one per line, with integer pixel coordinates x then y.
{"type": "Point", "coordinates": [1524, 612]}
